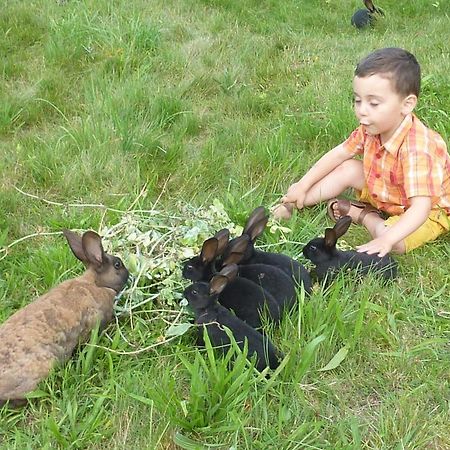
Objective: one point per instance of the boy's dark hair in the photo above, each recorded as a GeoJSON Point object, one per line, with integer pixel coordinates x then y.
{"type": "Point", "coordinates": [400, 66]}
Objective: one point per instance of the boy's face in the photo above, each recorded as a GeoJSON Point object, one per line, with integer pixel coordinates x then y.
{"type": "Point", "coordinates": [378, 107]}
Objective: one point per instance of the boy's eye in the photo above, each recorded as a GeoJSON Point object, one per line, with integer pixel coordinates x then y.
{"type": "Point", "coordinates": [374, 104]}
{"type": "Point", "coordinates": [357, 101]}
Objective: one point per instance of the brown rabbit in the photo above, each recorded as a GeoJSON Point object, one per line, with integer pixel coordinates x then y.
{"type": "Point", "coordinates": [46, 331]}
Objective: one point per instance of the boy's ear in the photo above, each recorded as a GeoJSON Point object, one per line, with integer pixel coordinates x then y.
{"type": "Point", "coordinates": [409, 103]}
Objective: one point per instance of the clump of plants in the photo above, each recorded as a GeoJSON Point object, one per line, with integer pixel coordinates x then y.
{"type": "Point", "coordinates": [153, 244]}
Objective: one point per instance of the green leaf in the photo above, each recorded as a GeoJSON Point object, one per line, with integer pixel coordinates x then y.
{"type": "Point", "coordinates": [140, 398]}
{"type": "Point", "coordinates": [187, 443]}
{"type": "Point", "coordinates": [336, 360]}
{"type": "Point", "coordinates": [308, 354]}
{"type": "Point", "coordinates": [37, 394]}
{"type": "Point", "coordinates": [178, 330]}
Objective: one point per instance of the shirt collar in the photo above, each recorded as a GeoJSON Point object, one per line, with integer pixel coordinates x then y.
{"type": "Point", "coordinates": [396, 140]}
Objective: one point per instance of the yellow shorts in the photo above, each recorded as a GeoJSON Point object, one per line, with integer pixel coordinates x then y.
{"type": "Point", "coordinates": [437, 223]}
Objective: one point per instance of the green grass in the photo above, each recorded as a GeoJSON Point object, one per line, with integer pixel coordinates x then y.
{"type": "Point", "coordinates": [200, 100]}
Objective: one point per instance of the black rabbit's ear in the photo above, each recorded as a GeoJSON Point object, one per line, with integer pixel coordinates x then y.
{"type": "Point", "coordinates": [330, 238]}
{"type": "Point", "coordinates": [369, 5]}
{"type": "Point", "coordinates": [230, 271]}
{"type": "Point", "coordinates": [233, 258]}
{"type": "Point", "coordinates": [256, 223]}
{"type": "Point", "coordinates": [217, 284]}
{"type": "Point", "coordinates": [257, 215]}
{"type": "Point", "coordinates": [236, 249]}
{"type": "Point", "coordinates": [342, 225]}
{"type": "Point", "coordinates": [93, 249]}
{"type": "Point", "coordinates": [239, 245]}
{"type": "Point", "coordinates": [209, 250]}
{"type": "Point", "coordinates": [222, 236]}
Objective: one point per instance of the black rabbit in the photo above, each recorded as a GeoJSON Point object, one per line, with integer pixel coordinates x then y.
{"type": "Point", "coordinates": [329, 260]}
{"type": "Point", "coordinates": [246, 299]}
{"type": "Point", "coordinates": [270, 278]}
{"type": "Point", "coordinates": [243, 296]}
{"type": "Point", "coordinates": [254, 227]}
{"type": "Point", "coordinates": [365, 17]}
{"type": "Point", "coordinates": [203, 299]}
{"type": "Point", "coordinates": [202, 267]}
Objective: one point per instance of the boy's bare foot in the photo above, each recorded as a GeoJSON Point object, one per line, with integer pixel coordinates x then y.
{"type": "Point", "coordinates": [283, 211]}
{"type": "Point", "coordinates": [338, 208]}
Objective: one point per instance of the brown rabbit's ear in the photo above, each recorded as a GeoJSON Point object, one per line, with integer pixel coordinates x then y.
{"type": "Point", "coordinates": [209, 250]}
{"type": "Point", "coordinates": [258, 218]}
{"type": "Point", "coordinates": [74, 241]}
{"type": "Point", "coordinates": [217, 284]}
{"type": "Point", "coordinates": [93, 249]}
{"type": "Point", "coordinates": [342, 225]}
{"type": "Point", "coordinates": [222, 236]}
{"type": "Point", "coordinates": [230, 271]}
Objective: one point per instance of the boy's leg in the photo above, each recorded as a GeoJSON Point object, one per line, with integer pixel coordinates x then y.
{"type": "Point", "coordinates": [349, 174]}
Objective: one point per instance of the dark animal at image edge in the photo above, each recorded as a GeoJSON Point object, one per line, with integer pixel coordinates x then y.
{"type": "Point", "coordinates": [45, 332]}
{"type": "Point", "coordinates": [365, 17]}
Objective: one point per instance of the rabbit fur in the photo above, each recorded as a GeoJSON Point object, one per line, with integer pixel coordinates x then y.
{"type": "Point", "coordinates": [329, 260]}
{"type": "Point", "coordinates": [203, 299]}
{"type": "Point", "coordinates": [269, 278]}
{"type": "Point", "coordinates": [254, 227]}
{"type": "Point", "coordinates": [46, 331]}
{"type": "Point", "coordinates": [243, 296]}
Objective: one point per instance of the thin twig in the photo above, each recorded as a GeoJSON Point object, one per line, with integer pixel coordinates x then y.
{"type": "Point", "coordinates": [82, 205]}
{"type": "Point", "coordinates": [142, 193]}
{"type": "Point", "coordinates": [135, 352]}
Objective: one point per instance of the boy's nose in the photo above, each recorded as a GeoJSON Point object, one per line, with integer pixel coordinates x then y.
{"type": "Point", "coordinates": [362, 110]}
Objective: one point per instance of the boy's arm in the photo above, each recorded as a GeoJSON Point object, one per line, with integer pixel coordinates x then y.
{"type": "Point", "coordinates": [297, 191]}
{"type": "Point", "coordinates": [409, 222]}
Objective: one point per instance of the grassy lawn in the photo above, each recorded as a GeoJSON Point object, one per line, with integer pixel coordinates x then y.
{"type": "Point", "coordinates": [109, 109]}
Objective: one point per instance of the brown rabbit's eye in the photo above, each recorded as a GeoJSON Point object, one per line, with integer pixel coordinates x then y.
{"type": "Point", "coordinates": [313, 248]}
{"type": "Point", "coordinates": [194, 291]}
{"type": "Point", "coordinates": [117, 264]}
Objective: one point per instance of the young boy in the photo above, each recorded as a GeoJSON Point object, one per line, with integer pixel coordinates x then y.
{"type": "Point", "coordinates": [405, 169]}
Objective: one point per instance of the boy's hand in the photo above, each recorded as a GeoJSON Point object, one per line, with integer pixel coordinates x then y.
{"type": "Point", "coordinates": [295, 194]}
{"type": "Point", "coordinates": [379, 246]}
{"type": "Point", "coordinates": [294, 198]}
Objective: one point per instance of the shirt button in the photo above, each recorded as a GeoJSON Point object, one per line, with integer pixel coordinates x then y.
{"type": "Point", "coordinates": [378, 155]}
{"type": "Point", "coordinates": [377, 175]}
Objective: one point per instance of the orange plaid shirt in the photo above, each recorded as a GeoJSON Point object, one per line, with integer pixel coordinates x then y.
{"type": "Point", "coordinates": [413, 162]}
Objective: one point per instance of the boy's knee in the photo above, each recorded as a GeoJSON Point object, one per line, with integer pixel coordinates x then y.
{"type": "Point", "coordinates": [352, 170]}
{"type": "Point", "coordinates": [352, 167]}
